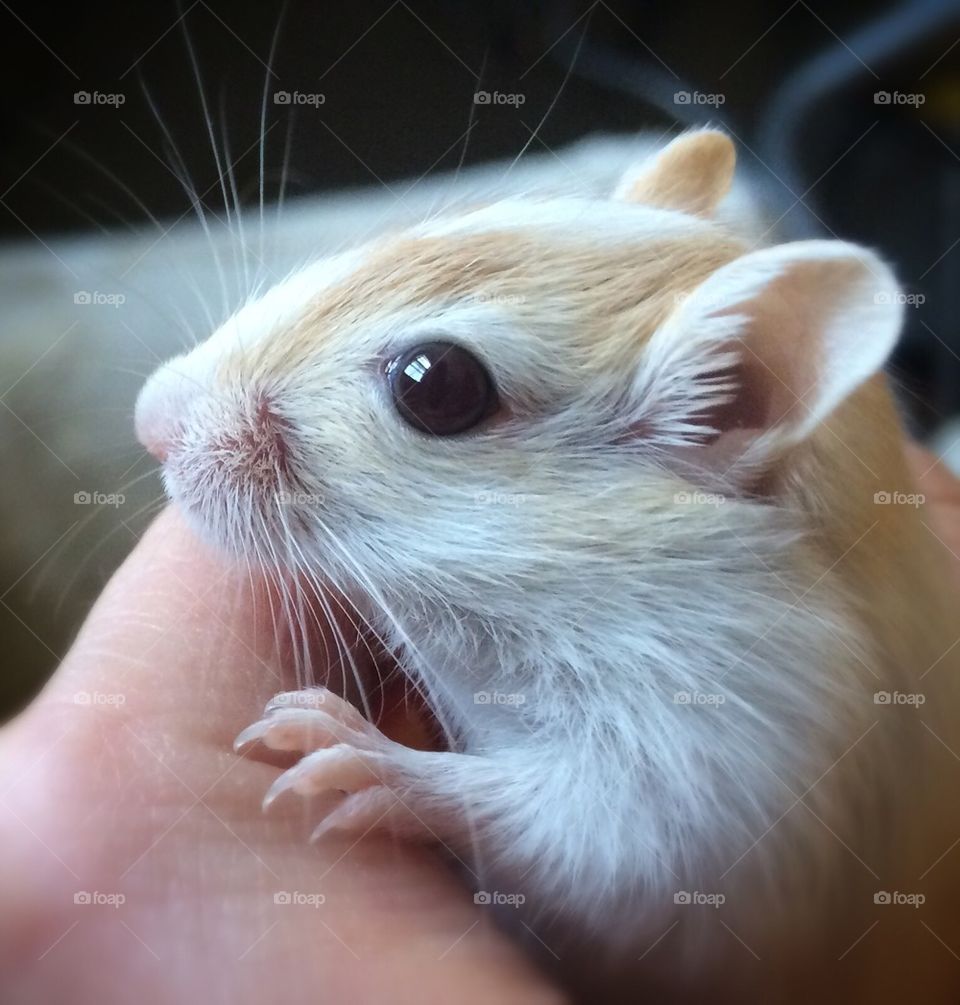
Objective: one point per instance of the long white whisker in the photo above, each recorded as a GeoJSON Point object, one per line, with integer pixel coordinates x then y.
{"type": "Point", "coordinates": [183, 177]}
{"type": "Point", "coordinates": [285, 165]}
{"type": "Point", "coordinates": [263, 117]}
{"type": "Point", "coordinates": [208, 120]}
{"type": "Point", "coordinates": [238, 214]}
{"type": "Point", "coordinates": [347, 654]}
{"type": "Point", "coordinates": [563, 83]}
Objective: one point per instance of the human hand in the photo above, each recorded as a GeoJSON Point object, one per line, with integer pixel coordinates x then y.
{"type": "Point", "coordinates": [120, 781]}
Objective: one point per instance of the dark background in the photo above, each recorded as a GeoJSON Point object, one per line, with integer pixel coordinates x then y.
{"type": "Point", "coordinates": [399, 77]}
{"type": "Point", "coordinates": [797, 80]}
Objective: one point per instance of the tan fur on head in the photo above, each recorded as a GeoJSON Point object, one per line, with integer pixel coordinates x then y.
{"type": "Point", "coordinates": [692, 174]}
{"type": "Point", "coordinates": [619, 293]}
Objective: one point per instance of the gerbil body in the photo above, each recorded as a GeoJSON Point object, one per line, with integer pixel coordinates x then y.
{"type": "Point", "coordinates": [650, 593]}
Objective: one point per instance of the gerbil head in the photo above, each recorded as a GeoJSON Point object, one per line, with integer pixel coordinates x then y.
{"type": "Point", "coordinates": [454, 407]}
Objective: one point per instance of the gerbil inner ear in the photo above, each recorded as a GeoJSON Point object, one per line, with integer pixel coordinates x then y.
{"type": "Point", "coordinates": [764, 350]}
{"type": "Point", "coordinates": [691, 174]}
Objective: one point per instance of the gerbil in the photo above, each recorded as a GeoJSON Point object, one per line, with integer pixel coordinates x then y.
{"type": "Point", "coordinates": [627, 500]}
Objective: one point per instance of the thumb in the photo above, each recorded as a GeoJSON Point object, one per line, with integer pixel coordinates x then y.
{"type": "Point", "coordinates": [121, 777]}
{"type": "Point", "coordinates": [178, 634]}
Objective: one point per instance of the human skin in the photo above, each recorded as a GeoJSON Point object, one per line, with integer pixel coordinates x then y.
{"type": "Point", "coordinates": [142, 796]}
{"type": "Point", "coordinates": [147, 799]}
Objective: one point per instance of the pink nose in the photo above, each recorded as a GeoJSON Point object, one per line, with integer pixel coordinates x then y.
{"type": "Point", "coordinates": [153, 433]}
{"type": "Point", "coordinates": [159, 448]}
{"type": "Point", "coordinates": [159, 410]}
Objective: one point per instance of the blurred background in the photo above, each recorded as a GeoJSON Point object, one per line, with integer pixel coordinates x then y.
{"type": "Point", "coordinates": [847, 119]}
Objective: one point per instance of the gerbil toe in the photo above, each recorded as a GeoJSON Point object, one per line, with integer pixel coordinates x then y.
{"type": "Point", "coordinates": [287, 730]}
{"type": "Point", "coordinates": [312, 697]}
{"type": "Point", "coordinates": [375, 808]}
{"type": "Point", "coordinates": [378, 808]}
{"type": "Point", "coordinates": [340, 767]}
{"type": "Point", "coordinates": [307, 729]}
{"type": "Point", "coordinates": [318, 699]}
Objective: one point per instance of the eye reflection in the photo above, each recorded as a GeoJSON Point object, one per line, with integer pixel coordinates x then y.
{"type": "Point", "coordinates": [417, 368]}
{"type": "Point", "coordinates": [441, 388]}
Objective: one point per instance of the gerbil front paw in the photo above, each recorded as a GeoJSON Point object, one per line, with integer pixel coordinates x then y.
{"type": "Point", "coordinates": [345, 753]}
{"type": "Point", "coordinates": [309, 720]}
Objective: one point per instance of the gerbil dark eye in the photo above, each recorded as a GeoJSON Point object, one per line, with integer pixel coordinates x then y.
{"type": "Point", "coordinates": [441, 388]}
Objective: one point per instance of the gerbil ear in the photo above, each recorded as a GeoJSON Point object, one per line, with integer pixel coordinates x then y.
{"type": "Point", "coordinates": [766, 348]}
{"type": "Point", "coordinates": [691, 174]}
